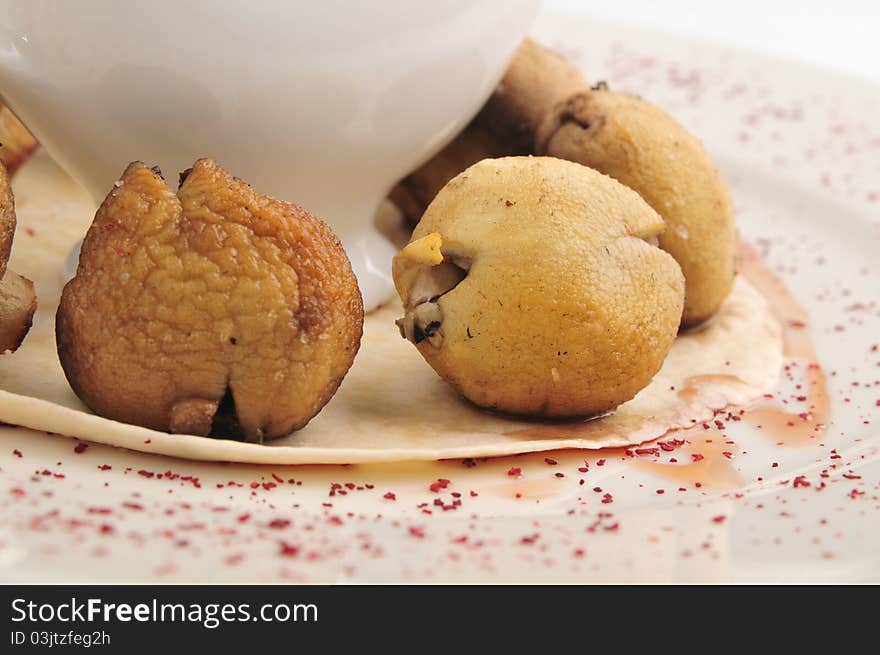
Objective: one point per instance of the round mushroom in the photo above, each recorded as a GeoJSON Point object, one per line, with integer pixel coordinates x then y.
{"type": "Point", "coordinates": [534, 286]}
{"type": "Point", "coordinates": [211, 311]}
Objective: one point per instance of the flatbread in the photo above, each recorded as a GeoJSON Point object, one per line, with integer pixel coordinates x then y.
{"type": "Point", "coordinates": [391, 406]}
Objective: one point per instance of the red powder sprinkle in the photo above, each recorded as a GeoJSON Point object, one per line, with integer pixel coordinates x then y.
{"type": "Point", "coordinates": [279, 523]}
{"type": "Point", "coordinates": [514, 471]}
{"type": "Point", "coordinates": [583, 469]}
{"type": "Point", "coordinates": [137, 507]}
{"type": "Point", "coordinates": [417, 531]}
{"type": "Point", "coordinates": [578, 552]}
{"type": "Point", "coordinates": [17, 453]}
{"type": "Point", "coordinates": [530, 539]}
{"type": "Point", "coordinates": [852, 476]}
{"type": "Point", "coordinates": [106, 528]}
{"type": "Point", "coordinates": [288, 550]}
{"type": "Point", "coordinates": [244, 518]}
{"type": "Point", "coordinates": [99, 510]}
{"type": "Point", "coordinates": [146, 474]}
{"type": "Point", "coordinates": [518, 495]}
{"type": "Point", "coordinates": [697, 457]}
{"type": "Point", "coordinates": [727, 454]}
{"type": "Point", "coordinates": [80, 448]}
{"type": "Point", "coordinates": [474, 494]}
{"type": "Point", "coordinates": [855, 493]}
{"type": "Point", "coordinates": [721, 518]}
{"type": "Point", "coordinates": [647, 451]}
{"type": "Point", "coordinates": [607, 498]}
{"type": "Point", "coordinates": [600, 462]}
{"type": "Point", "coordinates": [660, 491]}
{"type": "Point", "coordinates": [441, 484]}
{"type": "Point", "coordinates": [550, 462]}
{"type": "Point", "coordinates": [801, 481]}
{"type": "Point", "coordinates": [390, 496]}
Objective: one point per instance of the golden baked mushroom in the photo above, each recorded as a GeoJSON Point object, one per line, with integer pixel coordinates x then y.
{"type": "Point", "coordinates": [532, 286]}
{"type": "Point", "coordinates": [17, 299]}
{"type": "Point", "coordinates": [212, 311]}
{"type": "Point", "coordinates": [641, 146]}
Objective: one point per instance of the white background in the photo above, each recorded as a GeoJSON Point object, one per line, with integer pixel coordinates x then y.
{"type": "Point", "coordinates": [840, 35]}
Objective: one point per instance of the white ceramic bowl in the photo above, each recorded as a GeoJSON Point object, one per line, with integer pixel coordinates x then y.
{"type": "Point", "coordinates": [325, 104]}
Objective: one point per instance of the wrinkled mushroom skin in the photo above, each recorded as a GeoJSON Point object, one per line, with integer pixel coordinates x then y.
{"type": "Point", "coordinates": [562, 308]}
{"type": "Point", "coordinates": [641, 146]}
{"type": "Point", "coordinates": [18, 303]}
{"type": "Point", "coordinates": [179, 298]}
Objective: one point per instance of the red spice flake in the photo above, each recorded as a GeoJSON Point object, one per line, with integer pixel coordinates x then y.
{"type": "Point", "coordinates": [852, 476]}
{"type": "Point", "coordinates": [855, 493]}
{"type": "Point", "coordinates": [660, 492]}
{"type": "Point", "coordinates": [721, 518]}
{"type": "Point", "coordinates": [80, 448]}
{"type": "Point", "coordinates": [235, 559]}
{"type": "Point", "coordinates": [550, 462]}
{"type": "Point", "coordinates": [17, 453]}
{"type": "Point", "coordinates": [106, 528]}
{"type": "Point", "coordinates": [797, 324]}
{"type": "Point", "coordinates": [473, 494]}
{"type": "Point", "coordinates": [279, 524]}
{"type": "Point", "coordinates": [417, 531]}
{"type": "Point", "coordinates": [334, 520]}
{"type": "Point", "coordinates": [697, 457]}
{"type": "Point", "coordinates": [727, 454]}
{"type": "Point", "coordinates": [775, 465]}
{"type": "Point", "coordinates": [559, 475]}
{"type": "Point", "coordinates": [287, 550]}
{"type": "Point", "coordinates": [670, 445]}
{"type": "Point", "coordinates": [607, 498]}
{"type": "Point", "coordinates": [514, 471]}
{"type": "Point", "coordinates": [438, 486]}
{"type": "Point", "coordinates": [244, 518]}
{"type": "Point", "coordinates": [146, 474]}
{"type": "Point", "coordinates": [137, 507]}
{"type": "Point", "coordinates": [99, 510]}
{"type": "Point", "coordinates": [600, 462]}
{"type": "Point", "coordinates": [578, 552]}
{"type": "Point", "coordinates": [530, 539]}
{"type": "Point", "coordinates": [517, 495]}
{"type": "Point", "coordinates": [583, 469]}
{"type": "Point", "coordinates": [647, 451]}
{"type": "Point", "coordinates": [278, 479]}
{"type": "Point", "coordinates": [18, 491]}
{"type": "Point", "coordinates": [612, 527]}
{"type": "Point", "coordinates": [801, 481]}
{"type": "Point", "coordinates": [390, 496]}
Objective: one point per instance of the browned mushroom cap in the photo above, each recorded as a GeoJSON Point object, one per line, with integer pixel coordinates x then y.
{"type": "Point", "coordinates": [17, 142]}
{"type": "Point", "coordinates": [17, 300]}
{"type": "Point", "coordinates": [213, 310]}
{"type": "Point", "coordinates": [641, 146]}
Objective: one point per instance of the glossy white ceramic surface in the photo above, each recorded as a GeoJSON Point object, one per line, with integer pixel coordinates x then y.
{"type": "Point", "coordinates": [325, 104]}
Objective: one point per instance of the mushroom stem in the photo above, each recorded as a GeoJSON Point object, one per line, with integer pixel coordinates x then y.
{"type": "Point", "coordinates": [425, 273]}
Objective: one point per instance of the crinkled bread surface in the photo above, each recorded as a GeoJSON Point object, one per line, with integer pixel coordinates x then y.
{"type": "Point", "coordinates": [391, 406]}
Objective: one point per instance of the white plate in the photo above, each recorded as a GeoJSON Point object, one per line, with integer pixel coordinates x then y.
{"type": "Point", "coordinates": [802, 153]}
